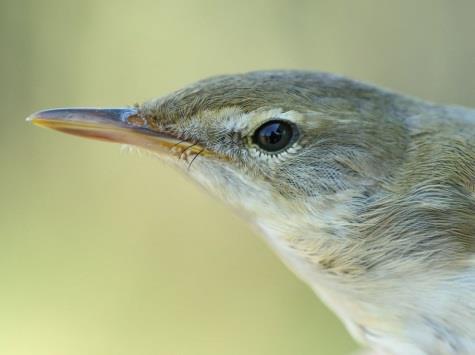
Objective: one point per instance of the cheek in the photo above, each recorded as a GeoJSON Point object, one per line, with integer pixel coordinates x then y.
{"type": "Point", "coordinates": [311, 176]}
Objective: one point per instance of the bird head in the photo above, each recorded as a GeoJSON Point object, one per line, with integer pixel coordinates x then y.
{"type": "Point", "coordinates": [268, 143]}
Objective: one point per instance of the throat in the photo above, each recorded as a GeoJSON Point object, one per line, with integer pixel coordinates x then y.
{"type": "Point", "coordinates": [318, 245]}
{"type": "Point", "coordinates": [322, 256]}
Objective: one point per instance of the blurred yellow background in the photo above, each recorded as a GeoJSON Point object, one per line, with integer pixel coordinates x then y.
{"type": "Point", "coordinates": [103, 252]}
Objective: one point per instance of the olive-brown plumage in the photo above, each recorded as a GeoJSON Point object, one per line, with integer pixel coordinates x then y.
{"type": "Point", "coordinates": [368, 195]}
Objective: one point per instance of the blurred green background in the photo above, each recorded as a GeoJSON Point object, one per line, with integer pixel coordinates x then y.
{"type": "Point", "coordinates": [96, 256]}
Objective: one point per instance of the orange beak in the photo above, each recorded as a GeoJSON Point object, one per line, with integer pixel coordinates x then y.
{"type": "Point", "coordinates": [118, 125]}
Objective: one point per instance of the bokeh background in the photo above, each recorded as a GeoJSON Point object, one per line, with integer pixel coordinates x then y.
{"type": "Point", "coordinates": [110, 253]}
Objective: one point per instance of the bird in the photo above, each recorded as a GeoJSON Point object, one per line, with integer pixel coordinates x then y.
{"type": "Point", "coordinates": [366, 194]}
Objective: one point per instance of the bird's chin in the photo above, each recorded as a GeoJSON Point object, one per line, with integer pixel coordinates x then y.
{"type": "Point", "coordinates": [176, 158]}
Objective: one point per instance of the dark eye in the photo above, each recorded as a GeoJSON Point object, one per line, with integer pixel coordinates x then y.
{"type": "Point", "coordinates": [273, 136]}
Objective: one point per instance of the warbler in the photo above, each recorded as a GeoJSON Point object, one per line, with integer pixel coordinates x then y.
{"type": "Point", "coordinates": [366, 194]}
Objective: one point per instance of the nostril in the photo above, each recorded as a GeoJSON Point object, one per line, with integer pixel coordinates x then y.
{"type": "Point", "coordinates": [136, 120]}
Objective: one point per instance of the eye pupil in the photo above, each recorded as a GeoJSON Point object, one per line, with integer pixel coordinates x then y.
{"type": "Point", "coordinates": [273, 136]}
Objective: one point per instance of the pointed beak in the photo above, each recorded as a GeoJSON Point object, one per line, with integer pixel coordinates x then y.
{"type": "Point", "coordinates": [119, 125]}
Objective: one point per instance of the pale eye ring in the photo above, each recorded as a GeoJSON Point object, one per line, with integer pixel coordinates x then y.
{"type": "Point", "coordinates": [275, 135]}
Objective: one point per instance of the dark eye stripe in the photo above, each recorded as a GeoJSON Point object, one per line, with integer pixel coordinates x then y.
{"type": "Point", "coordinates": [274, 135]}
